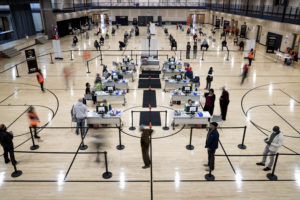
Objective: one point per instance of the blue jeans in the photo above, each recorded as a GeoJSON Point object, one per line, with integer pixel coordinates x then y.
{"type": "Point", "coordinates": [80, 123]}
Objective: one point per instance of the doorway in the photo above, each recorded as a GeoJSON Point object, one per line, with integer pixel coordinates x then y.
{"type": "Point", "coordinates": [259, 30]}
{"type": "Point", "coordinates": [200, 18]}
{"type": "Point", "coordinates": [296, 43]}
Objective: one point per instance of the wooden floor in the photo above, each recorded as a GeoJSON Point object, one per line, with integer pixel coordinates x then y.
{"type": "Point", "coordinates": [270, 96]}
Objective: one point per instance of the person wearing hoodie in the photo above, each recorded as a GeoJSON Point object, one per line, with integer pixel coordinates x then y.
{"type": "Point", "coordinates": [274, 142]}
{"type": "Point", "coordinates": [79, 113]}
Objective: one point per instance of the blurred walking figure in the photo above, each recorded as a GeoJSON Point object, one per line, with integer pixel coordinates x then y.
{"type": "Point", "coordinates": [34, 120]}
{"type": "Point", "coordinates": [40, 78]}
{"type": "Point", "coordinates": [244, 73]}
{"type": "Point", "coordinates": [68, 72]}
{"type": "Point", "coordinates": [145, 144]}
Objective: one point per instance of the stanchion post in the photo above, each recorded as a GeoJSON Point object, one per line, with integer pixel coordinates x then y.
{"type": "Point", "coordinates": [51, 60]}
{"type": "Point", "coordinates": [209, 176]}
{"type": "Point", "coordinates": [71, 53]}
{"type": "Point", "coordinates": [17, 71]}
{"type": "Point", "coordinates": [87, 66]}
{"type": "Point", "coordinates": [190, 146]}
{"type": "Point", "coordinates": [166, 127]}
{"type": "Point", "coordinates": [16, 173]}
{"type": "Point", "coordinates": [132, 128]}
{"type": "Point", "coordinates": [131, 53]}
{"type": "Point", "coordinates": [243, 146]}
{"type": "Point", "coordinates": [34, 146]}
{"type": "Point", "coordinates": [272, 176]}
{"type": "Point", "coordinates": [120, 146]}
{"type": "Point", "coordinates": [202, 55]}
{"type": "Point", "coordinates": [101, 59]}
{"type": "Point", "coordinates": [227, 55]}
{"type": "Point", "coordinates": [136, 62]}
{"type": "Point", "coordinates": [180, 55]}
{"type": "Point", "coordinates": [106, 174]}
{"type": "Point", "coordinates": [82, 145]}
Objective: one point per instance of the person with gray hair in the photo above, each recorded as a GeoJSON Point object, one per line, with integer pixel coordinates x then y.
{"type": "Point", "coordinates": [274, 142]}
{"type": "Point", "coordinates": [79, 113]}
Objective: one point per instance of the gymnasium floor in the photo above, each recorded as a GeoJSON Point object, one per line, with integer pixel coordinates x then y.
{"type": "Point", "coordinates": [270, 96]}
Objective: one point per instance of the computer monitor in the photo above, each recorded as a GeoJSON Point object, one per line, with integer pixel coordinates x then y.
{"type": "Point", "coordinates": [101, 109]}
{"type": "Point", "coordinates": [178, 77]}
{"type": "Point", "coordinates": [192, 109]}
{"type": "Point", "coordinates": [110, 89]}
{"type": "Point", "coordinates": [187, 89]}
{"type": "Point", "coordinates": [171, 59]}
{"type": "Point", "coordinates": [115, 77]}
{"type": "Point", "coordinates": [172, 67]}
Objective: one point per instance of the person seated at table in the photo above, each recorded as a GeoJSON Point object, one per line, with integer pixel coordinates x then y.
{"type": "Point", "coordinates": [293, 54]}
{"type": "Point", "coordinates": [113, 31]}
{"type": "Point", "coordinates": [126, 59]}
{"type": "Point", "coordinates": [242, 44]}
{"type": "Point", "coordinates": [287, 51]}
{"type": "Point", "coordinates": [98, 78]}
{"type": "Point", "coordinates": [172, 59]}
{"type": "Point", "coordinates": [200, 32]}
{"type": "Point", "coordinates": [188, 31]}
{"type": "Point", "coordinates": [204, 44]}
{"type": "Point", "coordinates": [107, 35]}
{"type": "Point", "coordinates": [101, 40]}
{"type": "Point", "coordinates": [98, 86]}
{"type": "Point", "coordinates": [235, 40]}
{"type": "Point", "coordinates": [187, 105]}
{"type": "Point", "coordinates": [105, 72]}
{"type": "Point", "coordinates": [121, 45]}
{"type": "Point", "coordinates": [189, 72]}
{"type": "Point", "coordinates": [137, 31]}
{"type": "Point", "coordinates": [106, 104]}
{"type": "Point", "coordinates": [88, 91]}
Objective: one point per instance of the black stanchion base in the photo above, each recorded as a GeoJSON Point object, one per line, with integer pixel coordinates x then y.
{"type": "Point", "coordinates": [88, 72]}
{"type": "Point", "coordinates": [241, 146]}
{"type": "Point", "coordinates": [209, 177]}
{"type": "Point", "coordinates": [272, 177]}
{"type": "Point", "coordinates": [107, 175]}
{"type": "Point", "coordinates": [16, 173]}
{"type": "Point", "coordinates": [83, 147]}
{"type": "Point", "coordinates": [120, 147]}
{"type": "Point", "coordinates": [132, 128]}
{"type": "Point", "coordinates": [51, 62]}
{"type": "Point", "coordinates": [189, 147]}
{"type": "Point", "coordinates": [18, 76]}
{"type": "Point", "coordinates": [165, 128]}
{"type": "Point", "coordinates": [34, 147]}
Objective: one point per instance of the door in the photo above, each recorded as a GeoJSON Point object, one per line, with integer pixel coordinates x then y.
{"type": "Point", "coordinates": [296, 45]}
{"type": "Point", "coordinates": [200, 18]}
{"type": "Point", "coordinates": [259, 30]}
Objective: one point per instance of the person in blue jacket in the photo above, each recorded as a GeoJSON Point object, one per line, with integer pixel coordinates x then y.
{"type": "Point", "coordinates": [212, 140]}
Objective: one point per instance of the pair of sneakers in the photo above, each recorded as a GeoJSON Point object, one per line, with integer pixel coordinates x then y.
{"type": "Point", "coordinates": [263, 164]}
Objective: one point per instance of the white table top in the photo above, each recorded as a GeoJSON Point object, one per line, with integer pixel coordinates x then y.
{"type": "Point", "coordinates": [110, 114]}
{"type": "Point", "coordinates": [115, 93]}
{"type": "Point", "coordinates": [180, 93]}
{"type": "Point", "coordinates": [183, 114]}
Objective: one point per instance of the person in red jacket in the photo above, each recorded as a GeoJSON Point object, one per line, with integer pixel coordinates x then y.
{"type": "Point", "coordinates": [40, 79]}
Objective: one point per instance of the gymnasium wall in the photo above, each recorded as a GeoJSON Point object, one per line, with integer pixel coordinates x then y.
{"type": "Point", "coordinates": [283, 29]}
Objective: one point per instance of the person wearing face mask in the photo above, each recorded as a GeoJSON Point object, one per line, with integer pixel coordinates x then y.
{"type": "Point", "coordinates": [6, 140]}
{"type": "Point", "coordinates": [211, 145]}
{"type": "Point", "coordinates": [274, 142]}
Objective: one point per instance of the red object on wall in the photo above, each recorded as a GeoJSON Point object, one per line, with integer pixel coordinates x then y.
{"type": "Point", "coordinates": [188, 20]}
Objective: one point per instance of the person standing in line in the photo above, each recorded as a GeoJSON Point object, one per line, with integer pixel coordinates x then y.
{"type": "Point", "coordinates": [209, 78]}
{"type": "Point", "coordinates": [224, 101]}
{"type": "Point", "coordinates": [244, 73]}
{"type": "Point", "coordinates": [274, 142]}
{"type": "Point", "coordinates": [211, 145]}
{"type": "Point", "coordinates": [145, 144]}
{"type": "Point", "coordinates": [188, 50]}
{"type": "Point", "coordinates": [6, 141]}
{"type": "Point", "coordinates": [209, 101]}
{"type": "Point", "coordinates": [40, 79]}
{"type": "Point", "coordinates": [96, 45]}
{"type": "Point", "coordinates": [224, 44]}
{"type": "Point", "coordinates": [250, 56]}
{"type": "Point", "coordinates": [79, 113]}
{"type": "Point", "coordinates": [33, 120]}
{"type": "Point", "coordinates": [195, 50]}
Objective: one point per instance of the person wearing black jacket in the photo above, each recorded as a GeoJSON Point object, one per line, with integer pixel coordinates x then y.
{"type": "Point", "coordinates": [211, 145]}
{"type": "Point", "coordinates": [7, 144]}
{"type": "Point", "coordinates": [195, 50]}
{"type": "Point", "coordinates": [224, 101]}
{"type": "Point", "coordinates": [209, 101]}
{"type": "Point", "coordinates": [188, 50]}
{"type": "Point", "coordinates": [145, 144]}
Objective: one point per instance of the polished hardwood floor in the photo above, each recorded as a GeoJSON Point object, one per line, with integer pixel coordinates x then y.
{"type": "Point", "coordinates": [270, 96]}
